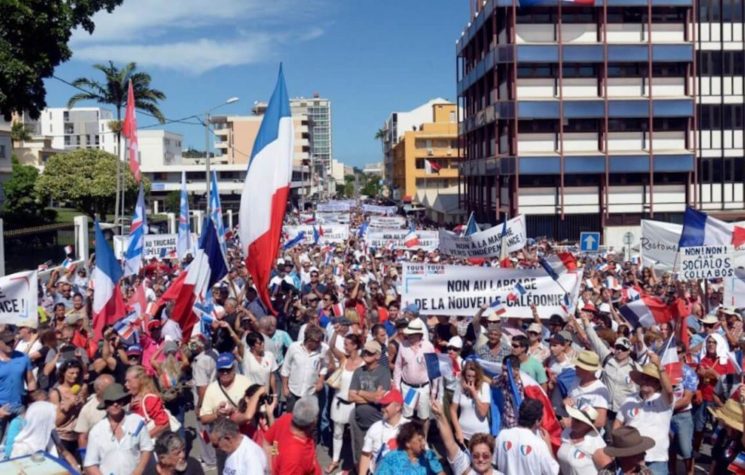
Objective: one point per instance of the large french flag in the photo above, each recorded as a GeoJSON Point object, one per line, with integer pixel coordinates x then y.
{"type": "Point", "coordinates": [700, 229]}
{"type": "Point", "coordinates": [108, 302]}
{"type": "Point", "coordinates": [192, 286]}
{"type": "Point", "coordinates": [129, 130]}
{"type": "Point", "coordinates": [183, 244]}
{"type": "Point", "coordinates": [558, 264]}
{"type": "Point", "coordinates": [266, 188]}
{"type": "Point", "coordinates": [647, 311]}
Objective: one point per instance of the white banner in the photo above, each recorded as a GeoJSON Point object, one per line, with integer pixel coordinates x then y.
{"type": "Point", "coordinates": [734, 290]}
{"type": "Point", "coordinates": [334, 207]}
{"type": "Point", "coordinates": [707, 262]}
{"type": "Point", "coordinates": [375, 209]}
{"type": "Point", "coordinates": [383, 238]}
{"type": "Point", "coordinates": [332, 233]}
{"type": "Point", "coordinates": [332, 218]}
{"type": "Point", "coordinates": [387, 222]}
{"type": "Point", "coordinates": [462, 290]}
{"type": "Point", "coordinates": [154, 244]}
{"type": "Point", "coordinates": [659, 244]}
{"type": "Point", "coordinates": [19, 299]}
{"type": "Point", "coordinates": [486, 243]}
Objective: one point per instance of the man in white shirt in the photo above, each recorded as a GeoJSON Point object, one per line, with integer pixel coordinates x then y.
{"type": "Point", "coordinates": [90, 414]}
{"type": "Point", "coordinates": [259, 365]}
{"type": "Point", "coordinates": [380, 435]}
{"type": "Point", "coordinates": [304, 366]}
{"type": "Point", "coordinates": [590, 389]}
{"type": "Point", "coordinates": [244, 456]}
{"type": "Point", "coordinates": [650, 411]}
{"type": "Point", "coordinates": [119, 444]}
{"type": "Point", "coordinates": [520, 450]}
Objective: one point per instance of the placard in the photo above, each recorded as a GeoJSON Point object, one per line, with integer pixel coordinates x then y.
{"type": "Point", "coordinates": [658, 245]}
{"type": "Point", "coordinates": [462, 290]}
{"type": "Point", "coordinates": [706, 262]}
{"type": "Point", "coordinates": [19, 299]}
{"type": "Point", "coordinates": [394, 238]}
{"type": "Point", "coordinates": [387, 222]}
{"type": "Point", "coordinates": [487, 243]}
{"type": "Point", "coordinates": [154, 244]}
{"type": "Point", "coordinates": [332, 233]}
{"type": "Point", "coordinates": [383, 210]}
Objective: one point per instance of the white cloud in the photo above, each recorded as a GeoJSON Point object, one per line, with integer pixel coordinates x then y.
{"type": "Point", "coordinates": [196, 36]}
{"type": "Point", "coordinates": [193, 57]}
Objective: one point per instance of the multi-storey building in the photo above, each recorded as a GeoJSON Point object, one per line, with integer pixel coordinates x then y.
{"type": "Point", "coordinates": [394, 127]}
{"type": "Point", "coordinates": [580, 115]}
{"type": "Point", "coordinates": [79, 127]}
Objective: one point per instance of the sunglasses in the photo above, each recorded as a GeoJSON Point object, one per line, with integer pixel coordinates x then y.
{"type": "Point", "coordinates": [118, 402]}
{"type": "Point", "coordinates": [481, 455]}
{"type": "Point", "coordinates": [533, 333]}
{"type": "Point", "coordinates": [225, 370]}
{"type": "Point", "coordinates": [621, 348]}
{"type": "Point", "coordinates": [453, 348]}
{"type": "Point", "coordinates": [516, 346]}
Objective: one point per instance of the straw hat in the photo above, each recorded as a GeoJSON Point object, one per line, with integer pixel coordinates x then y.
{"type": "Point", "coordinates": [628, 442]}
{"type": "Point", "coordinates": [588, 360]}
{"type": "Point", "coordinates": [650, 370]}
{"type": "Point", "coordinates": [415, 326]}
{"type": "Point", "coordinates": [730, 414]}
{"type": "Point", "coordinates": [586, 414]}
{"type": "Point", "coordinates": [710, 320]}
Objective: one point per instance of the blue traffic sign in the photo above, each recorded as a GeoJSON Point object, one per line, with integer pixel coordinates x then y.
{"type": "Point", "coordinates": [589, 242]}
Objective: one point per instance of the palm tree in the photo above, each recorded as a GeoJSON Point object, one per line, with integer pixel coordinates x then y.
{"type": "Point", "coordinates": [380, 134]}
{"type": "Point", "coordinates": [113, 91]}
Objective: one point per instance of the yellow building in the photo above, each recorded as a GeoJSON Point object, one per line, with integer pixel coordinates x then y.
{"type": "Point", "coordinates": [416, 180]}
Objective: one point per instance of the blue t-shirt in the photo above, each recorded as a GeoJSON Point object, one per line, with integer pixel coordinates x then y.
{"type": "Point", "coordinates": [12, 377]}
{"type": "Point", "coordinates": [398, 463]}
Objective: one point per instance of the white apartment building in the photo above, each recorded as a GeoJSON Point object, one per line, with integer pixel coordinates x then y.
{"type": "Point", "coordinates": [79, 127]}
{"type": "Point", "coordinates": [159, 148]}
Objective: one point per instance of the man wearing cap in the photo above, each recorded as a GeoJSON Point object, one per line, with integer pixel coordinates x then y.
{"type": "Point", "coordinates": [369, 384]}
{"type": "Point", "coordinates": [223, 396]}
{"type": "Point", "coordinates": [629, 449]}
{"type": "Point", "coordinates": [617, 366]}
{"type": "Point", "coordinates": [537, 349]}
{"type": "Point", "coordinates": [726, 454]}
{"type": "Point", "coordinates": [410, 371]}
{"type": "Point", "coordinates": [119, 444]}
{"type": "Point", "coordinates": [581, 450]}
{"type": "Point", "coordinates": [590, 389]}
{"type": "Point", "coordinates": [380, 436]}
{"type": "Point", "coordinates": [650, 411]}
{"type": "Point", "coordinates": [527, 447]}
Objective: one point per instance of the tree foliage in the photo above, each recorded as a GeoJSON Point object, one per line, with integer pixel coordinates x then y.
{"type": "Point", "coordinates": [19, 132]}
{"type": "Point", "coordinates": [113, 89]}
{"type": "Point", "coordinates": [33, 41]}
{"type": "Point", "coordinates": [173, 201]}
{"type": "Point", "coordinates": [23, 205]}
{"type": "Point", "coordinates": [86, 179]}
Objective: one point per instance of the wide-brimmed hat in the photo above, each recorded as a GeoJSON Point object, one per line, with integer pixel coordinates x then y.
{"type": "Point", "coordinates": [730, 414]}
{"type": "Point", "coordinates": [649, 370]}
{"type": "Point", "coordinates": [586, 414]}
{"type": "Point", "coordinates": [415, 326]}
{"type": "Point", "coordinates": [372, 347]}
{"type": "Point", "coordinates": [588, 360]}
{"type": "Point", "coordinates": [113, 392]}
{"type": "Point", "coordinates": [710, 320]}
{"type": "Point", "coordinates": [730, 311]}
{"type": "Point", "coordinates": [627, 441]}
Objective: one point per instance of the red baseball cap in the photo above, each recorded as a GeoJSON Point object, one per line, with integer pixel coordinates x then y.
{"type": "Point", "coordinates": [394, 395]}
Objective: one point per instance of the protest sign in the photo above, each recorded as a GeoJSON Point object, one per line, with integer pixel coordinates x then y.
{"type": "Point", "coordinates": [394, 238]}
{"type": "Point", "coordinates": [375, 209]}
{"type": "Point", "coordinates": [19, 299]}
{"type": "Point", "coordinates": [659, 244]}
{"type": "Point", "coordinates": [332, 218]}
{"type": "Point", "coordinates": [387, 222]}
{"type": "Point", "coordinates": [332, 233]}
{"type": "Point", "coordinates": [734, 289]}
{"type": "Point", "coordinates": [155, 244]}
{"type": "Point", "coordinates": [462, 290]}
{"type": "Point", "coordinates": [486, 243]}
{"type": "Point", "coordinates": [334, 207]}
{"type": "Point", "coordinates": [706, 262]}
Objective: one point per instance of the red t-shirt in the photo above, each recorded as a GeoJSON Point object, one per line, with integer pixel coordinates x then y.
{"type": "Point", "coordinates": [153, 407]}
{"type": "Point", "coordinates": [706, 385]}
{"type": "Point", "coordinates": [291, 455]}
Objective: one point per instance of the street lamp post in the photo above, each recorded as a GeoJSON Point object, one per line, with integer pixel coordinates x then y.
{"type": "Point", "coordinates": [207, 158]}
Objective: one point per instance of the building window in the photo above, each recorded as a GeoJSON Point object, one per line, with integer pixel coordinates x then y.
{"type": "Point", "coordinates": [67, 140]}
{"type": "Point", "coordinates": [2, 152]}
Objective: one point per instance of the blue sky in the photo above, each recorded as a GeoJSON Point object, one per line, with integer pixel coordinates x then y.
{"type": "Point", "coordinates": [369, 57]}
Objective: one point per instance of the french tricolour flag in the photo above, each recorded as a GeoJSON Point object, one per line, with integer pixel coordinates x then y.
{"type": "Point", "coordinates": [266, 188]}
{"type": "Point", "coordinates": [411, 239]}
{"type": "Point", "coordinates": [558, 264]}
{"type": "Point", "coordinates": [192, 286]}
{"type": "Point", "coordinates": [700, 229]}
{"type": "Point", "coordinates": [646, 311]}
{"type": "Point", "coordinates": [108, 303]}
{"type": "Point", "coordinates": [138, 229]}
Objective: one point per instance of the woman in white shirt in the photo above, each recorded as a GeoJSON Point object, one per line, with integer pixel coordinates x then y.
{"type": "Point", "coordinates": [581, 451]}
{"type": "Point", "coordinates": [473, 397]}
{"type": "Point", "coordinates": [341, 407]}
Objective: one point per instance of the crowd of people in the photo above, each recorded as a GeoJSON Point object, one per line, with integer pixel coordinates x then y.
{"type": "Point", "coordinates": [337, 364]}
